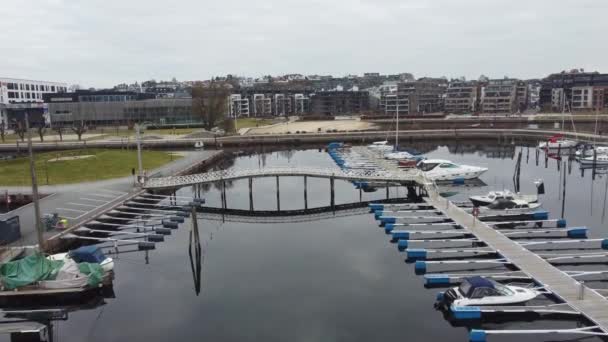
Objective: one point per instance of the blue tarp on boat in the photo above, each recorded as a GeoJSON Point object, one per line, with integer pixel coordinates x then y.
{"type": "Point", "coordinates": [90, 254]}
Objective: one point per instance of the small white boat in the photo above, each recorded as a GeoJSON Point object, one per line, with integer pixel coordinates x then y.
{"type": "Point", "coordinates": [557, 142]}
{"type": "Point", "coordinates": [90, 254]}
{"type": "Point", "coordinates": [398, 155]}
{"type": "Point", "coordinates": [600, 160]}
{"type": "Point", "coordinates": [482, 200]}
{"type": "Point", "coordinates": [445, 170]}
{"type": "Point", "coordinates": [507, 207]}
{"type": "Point", "coordinates": [484, 291]}
{"type": "Point", "coordinates": [601, 150]}
{"type": "Point", "coordinates": [199, 145]}
{"type": "Point", "coordinates": [381, 146]}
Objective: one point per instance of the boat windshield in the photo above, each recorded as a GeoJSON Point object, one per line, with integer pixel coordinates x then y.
{"type": "Point", "coordinates": [427, 166]}
{"type": "Point", "coordinates": [503, 290]}
{"type": "Point", "coordinates": [448, 166]}
{"type": "Point", "coordinates": [464, 288]}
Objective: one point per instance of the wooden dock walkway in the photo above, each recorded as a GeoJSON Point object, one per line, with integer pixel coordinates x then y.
{"type": "Point", "coordinates": [593, 305]}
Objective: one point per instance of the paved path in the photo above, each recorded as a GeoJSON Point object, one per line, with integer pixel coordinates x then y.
{"type": "Point", "coordinates": [82, 202]}
{"type": "Point", "coordinates": [594, 306]}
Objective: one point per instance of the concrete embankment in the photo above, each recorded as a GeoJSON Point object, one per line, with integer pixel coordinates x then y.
{"type": "Point", "coordinates": [531, 135]}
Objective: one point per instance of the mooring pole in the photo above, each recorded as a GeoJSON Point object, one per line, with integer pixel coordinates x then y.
{"type": "Point", "coordinates": [305, 192]}
{"type": "Point", "coordinates": [332, 199]}
{"type": "Point", "coordinates": [564, 195]}
{"type": "Point", "coordinates": [250, 194]}
{"type": "Point", "coordinates": [224, 191]}
{"type": "Point", "coordinates": [360, 192]}
{"type": "Point", "coordinates": [387, 192]}
{"type": "Point", "coordinates": [278, 195]}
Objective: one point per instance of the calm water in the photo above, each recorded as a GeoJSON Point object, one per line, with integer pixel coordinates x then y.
{"type": "Point", "coordinates": [331, 280]}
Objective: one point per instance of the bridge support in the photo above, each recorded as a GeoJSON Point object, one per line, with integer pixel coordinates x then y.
{"type": "Point", "coordinates": [278, 195]}
{"type": "Point", "coordinates": [332, 201]}
{"type": "Point", "coordinates": [305, 192]}
{"type": "Point", "coordinates": [250, 193]}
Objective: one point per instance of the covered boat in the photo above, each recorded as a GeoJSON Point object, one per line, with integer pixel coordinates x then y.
{"type": "Point", "coordinates": [90, 254]}
{"type": "Point", "coordinates": [482, 291]}
{"type": "Point", "coordinates": [556, 142]}
{"type": "Point", "coordinates": [483, 200]}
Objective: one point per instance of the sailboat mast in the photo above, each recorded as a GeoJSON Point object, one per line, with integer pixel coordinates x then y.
{"type": "Point", "coordinates": [35, 196]}
{"type": "Point", "coordinates": [397, 123]}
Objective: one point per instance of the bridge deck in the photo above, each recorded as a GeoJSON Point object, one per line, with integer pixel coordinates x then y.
{"type": "Point", "coordinates": [593, 305]}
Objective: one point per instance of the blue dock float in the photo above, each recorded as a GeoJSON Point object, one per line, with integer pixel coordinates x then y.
{"type": "Point", "coordinates": [179, 219]}
{"type": "Point", "coordinates": [466, 312]}
{"type": "Point", "coordinates": [476, 335]}
{"type": "Point", "coordinates": [169, 224]}
{"type": "Point", "coordinates": [577, 233]}
{"type": "Point", "coordinates": [437, 279]}
{"type": "Point", "coordinates": [416, 254]}
{"type": "Point", "coordinates": [420, 267]}
{"type": "Point", "coordinates": [402, 244]}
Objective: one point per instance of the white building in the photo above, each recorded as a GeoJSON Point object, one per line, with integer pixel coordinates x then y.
{"type": "Point", "coordinates": [18, 96]}
{"type": "Point", "coordinates": [238, 106]}
{"type": "Point", "coordinates": [582, 97]}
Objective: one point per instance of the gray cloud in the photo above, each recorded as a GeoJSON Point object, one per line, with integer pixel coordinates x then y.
{"type": "Point", "coordinates": [104, 42]}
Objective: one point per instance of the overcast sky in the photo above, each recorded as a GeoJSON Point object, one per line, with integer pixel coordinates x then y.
{"type": "Point", "coordinates": [104, 42]}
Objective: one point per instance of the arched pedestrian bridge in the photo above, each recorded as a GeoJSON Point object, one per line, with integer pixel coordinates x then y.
{"type": "Point", "coordinates": [404, 177]}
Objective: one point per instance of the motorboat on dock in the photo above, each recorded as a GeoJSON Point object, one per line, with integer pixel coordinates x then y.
{"type": "Point", "coordinates": [445, 170]}
{"type": "Point", "coordinates": [600, 150]}
{"type": "Point", "coordinates": [492, 196]}
{"type": "Point", "coordinates": [476, 291]}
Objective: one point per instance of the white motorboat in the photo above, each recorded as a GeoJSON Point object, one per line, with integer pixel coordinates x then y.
{"type": "Point", "coordinates": [601, 150]}
{"type": "Point", "coordinates": [90, 254]}
{"type": "Point", "coordinates": [445, 170]}
{"type": "Point", "coordinates": [483, 291]}
{"type": "Point", "coordinates": [199, 145]}
{"type": "Point", "coordinates": [600, 160]}
{"type": "Point", "coordinates": [507, 207]}
{"type": "Point", "coordinates": [483, 200]}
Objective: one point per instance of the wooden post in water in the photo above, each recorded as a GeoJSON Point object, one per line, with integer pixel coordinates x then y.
{"type": "Point", "coordinates": [305, 192]}
{"type": "Point", "coordinates": [332, 197]}
{"type": "Point", "coordinates": [278, 195]}
{"type": "Point", "coordinates": [250, 194]}
{"type": "Point", "coordinates": [360, 192]}
{"type": "Point", "coordinates": [564, 195]}
{"type": "Point", "coordinates": [387, 191]}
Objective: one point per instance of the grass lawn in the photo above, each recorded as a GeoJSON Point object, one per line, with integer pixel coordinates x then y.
{"type": "Point", "coordinates": [104, 164]}
{"type": "Point", "coordinates": [252, 122]}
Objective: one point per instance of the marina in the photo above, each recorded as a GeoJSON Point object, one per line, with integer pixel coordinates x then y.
{"type": "Point", "coordinates": [438, 239]}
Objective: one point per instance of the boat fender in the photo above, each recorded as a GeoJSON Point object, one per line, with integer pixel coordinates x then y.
{"type": "Point", "coordinates": [397, 235]}
{"type": "Point", "coordinates": [540, 215]}
{"type": "Point", "coordinates": [466, 312]}
{"type": "Point", "coordinates": [163, 231]}
{"type": "Point", "coordinates": [458, 180]}
{"type": "Point", "coordinates": [156, 238]}
{"type": "Point", "coordinates": [477, 335]}
{"type": "Point", "coordinates": [145, 245]}
{"type": "Point", "coordinates": [177, 219]}
{"type": "Point", "coordinates": [416, 254]}
{"type": "Point", "coordinates": [579, 232]}
{"type": "Point", "coordinates": [402, 245]}
{"type": "Point", "coordinates": [420, 267]}
{"type": "Point", "coordinates": [437, 279]}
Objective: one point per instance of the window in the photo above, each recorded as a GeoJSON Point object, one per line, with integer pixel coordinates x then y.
{"type": "Point", "coordinates": [53, 88]}
{"type": "Point", "coordinates": [13, 95]}
{"type": "Point", "coordinates": [448, 166]}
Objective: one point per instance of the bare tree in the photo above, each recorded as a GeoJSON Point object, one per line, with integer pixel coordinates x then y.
{"type": "Point", "coordinates": [209, 101]}
{"type": "Point", "coordinates": [2, 130]}
{"type": "Point", "coordinates": [20, 129]}
{"type": "Point", "coordinates": [41, 131]}
{"type": "Point", "coordinates": [79, 128]}
{"type": "Point", "coordinates": [59, 129]}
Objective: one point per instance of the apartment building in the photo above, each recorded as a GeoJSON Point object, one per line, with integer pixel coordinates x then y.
{"type": "Point", "coordinates": [238, 106]}
{"type": "Point", "coordinates": [576, 89]}
{"type": "Point", "coordinates": [462, 97]}
{"type": "Point", "coordinates": [339, 102]}
{"type": "Point", "coordinates": [522, 95]}
{"type": "Point", "coordinates": [396, 98]}
{"type": "Point", "coordinates": [268, 101]}
{"type": "Point", "coordinates": [582, 98]}
{"type": "Point", "coordinates": [500, 96]}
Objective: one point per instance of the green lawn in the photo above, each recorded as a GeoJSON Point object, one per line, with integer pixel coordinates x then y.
{"type": "Point", "coordinates": [104, 164]}
{"type": "Point", "coordinates": [252, 122]}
